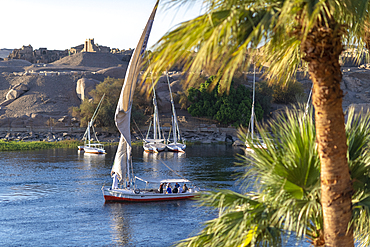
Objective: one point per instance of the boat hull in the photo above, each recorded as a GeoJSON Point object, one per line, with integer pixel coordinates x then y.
{"type": "Point", "coordinates": [124, 195]}
{"type": "Point", "coordinates": [176, 147]}
{"type": "Point", "coordinates": [257, 146]}
{"type": "Point", "coordinates": [154, 148]}
{"type": "Point", "coordinates": [94, 150]}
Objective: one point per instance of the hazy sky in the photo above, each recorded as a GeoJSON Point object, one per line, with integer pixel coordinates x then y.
{"type": "Point", "coordinates": [62, 24]}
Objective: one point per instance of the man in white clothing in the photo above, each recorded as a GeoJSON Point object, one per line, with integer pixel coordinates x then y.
{"type": "Point", "coordinates": [115, 180]}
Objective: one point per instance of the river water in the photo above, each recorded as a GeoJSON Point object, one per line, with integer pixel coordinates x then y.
{"type": "Point", "coordinates": [53, 197]}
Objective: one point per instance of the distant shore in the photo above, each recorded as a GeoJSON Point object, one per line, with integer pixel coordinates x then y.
{"type": "Point", "coordinates": [19, 145]}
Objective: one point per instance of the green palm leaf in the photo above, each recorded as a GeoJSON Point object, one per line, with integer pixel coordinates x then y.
{"type": "Point", "coordinates": [281, 187]}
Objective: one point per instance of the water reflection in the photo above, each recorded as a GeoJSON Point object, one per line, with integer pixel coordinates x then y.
{"type": "Point", "coordinates": [149, 157]}
{"type": "Point", "coordinates": [157, 223]}
{"type": "Point", "coordinates": [120, 226]}
{"type": "Point", "coordinates": [58, 193]}
{"type": "Point", "coordinates": [92, 159]}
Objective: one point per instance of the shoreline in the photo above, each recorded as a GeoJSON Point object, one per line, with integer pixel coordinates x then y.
{"type": "Point", "coordinates": [19, 145]}
{"type": "Point", "coordinates": [197, 134]}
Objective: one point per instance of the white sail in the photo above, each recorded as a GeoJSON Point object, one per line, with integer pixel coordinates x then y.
{"type": "Point", "coordinates": [123, 110]}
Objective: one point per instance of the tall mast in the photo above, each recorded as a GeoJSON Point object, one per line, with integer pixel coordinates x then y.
{"type": "Point", "coordinates": [156, 127]}
{"type": "Point", "coordinates": [252, 115]}
{"type": "Point", "coordinates": [91, 122]}
{"type": "Point", "coordinates": [123, 111]}
{"type": "Point", "coordinates": [174, 117]}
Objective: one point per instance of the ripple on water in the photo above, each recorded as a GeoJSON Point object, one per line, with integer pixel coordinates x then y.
{"type": "Point", "coordinates": [22, 192]}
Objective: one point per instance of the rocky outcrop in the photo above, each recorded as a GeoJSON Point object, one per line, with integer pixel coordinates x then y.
{"type": "Point", "coordinates": [84, 86]}
{"type": "Point", "coordinates": [163, 93]}
{"type": "Point", "coordinates": [52, 136]}
{"type": "Point", "coordinates": [352, 83]}
{"type": "Point", "coordinates": [41, 55]}
{"type": "Point", "coordinates": [16, 91]}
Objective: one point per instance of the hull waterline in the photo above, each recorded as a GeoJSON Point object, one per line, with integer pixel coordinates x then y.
{"type": "Point", "coordinates": [124, 195]}
{"type": "Point", "coordinates": [176, 147]}
{"type": "Point", "coordinates": [154, 147]}
{"type": "Point", "coordinates": [94, 151]}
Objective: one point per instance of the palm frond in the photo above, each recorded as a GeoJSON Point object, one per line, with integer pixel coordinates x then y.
{"type": "Point", "coordinates": [219, 39]}
{"type": "Point", "coordinates": [242, 221]}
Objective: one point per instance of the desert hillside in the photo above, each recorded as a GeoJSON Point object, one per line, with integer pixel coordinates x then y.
{"type": "Point", "coordinates": [49, 90]}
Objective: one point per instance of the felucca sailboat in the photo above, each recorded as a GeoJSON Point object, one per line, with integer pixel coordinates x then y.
{"type": "Point", "coordinates": [90, 146]}
{"type": "Point", "coordinates": [156, 144]}
{"type": "Point", "coordinates": [122, 166]}
{"type": "Point", "coordinates": [174, 146]}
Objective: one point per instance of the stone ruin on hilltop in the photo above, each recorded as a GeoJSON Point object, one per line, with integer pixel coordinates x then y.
{"type": "Point", "coordinates": [43, 55]}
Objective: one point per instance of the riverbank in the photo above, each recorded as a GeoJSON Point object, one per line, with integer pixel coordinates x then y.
{"type": "Point", "coordinates": [36, 145]}
{"type": "Point", "coordinates": [193, 131]}
{"type": "Point", "coordinates": [19, 145]}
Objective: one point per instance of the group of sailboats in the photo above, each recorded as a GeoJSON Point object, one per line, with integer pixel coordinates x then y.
{"type": "Point", "coordinates": [122, 167]}
{"type": "Point", "coordinates": [156, 144]}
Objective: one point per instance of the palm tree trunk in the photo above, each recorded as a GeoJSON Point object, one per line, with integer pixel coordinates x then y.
{"type": "Point", "coordinates": [367, 34]}
{"type": "Point", "coordinates": [322, 49]}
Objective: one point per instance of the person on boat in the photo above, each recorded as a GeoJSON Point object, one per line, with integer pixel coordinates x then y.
{"type": "Point", "coordinates": [115, 180]}
{"type": "Point", "coordinates": [184, 188]}
{"type": "Point", "coordinates": [161, 188]}
{"type": "Point", "coordinates": [175, 190]}
{"type": "Point", "coordinates": [180, 189]}
{"type": "Point", "coordinates": [169, 189]}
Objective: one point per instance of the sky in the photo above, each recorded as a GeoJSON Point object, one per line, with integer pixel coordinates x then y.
{"type": "Point", "coordinates": [62, 24]}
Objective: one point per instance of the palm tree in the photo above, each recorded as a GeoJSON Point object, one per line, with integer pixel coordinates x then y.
{"type": "Point", "coordinates": [285, 199]}
{"type": "Point", "coordinates": [293, 33]}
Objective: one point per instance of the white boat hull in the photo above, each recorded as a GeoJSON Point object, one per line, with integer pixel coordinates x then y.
{"type": "Point", "coordinates": [176, 147]}
{"type": "Point", "coordinates": [154, 147]}
{"type": "Point", "coordinates": [90, 150]}
{"type": "Point", "coordinates": [126, 195]}
{"type": "Point", "coordinates": [258, 146]}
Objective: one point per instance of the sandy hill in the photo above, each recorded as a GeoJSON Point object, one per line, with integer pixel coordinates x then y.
{"type": "Point", "coordinates": [50, 96]}
{"type": "Point", "coordinates": [15, 63]}
{"type": "Point", "coordinates": [90, 59]}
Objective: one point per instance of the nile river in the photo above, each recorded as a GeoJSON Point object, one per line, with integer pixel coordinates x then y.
{"type": "Point", "coordinates": [53, 197]}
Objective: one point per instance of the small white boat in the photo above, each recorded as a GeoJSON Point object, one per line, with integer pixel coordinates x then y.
{"type": "Point", "coordinates": [174, 146]}
{"type": "Point", "coordinates": [94, 148]}
{"type": "Point", "coordinates": [91, 146]}
{"type": "Point", "coordinates": [122, 169]}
